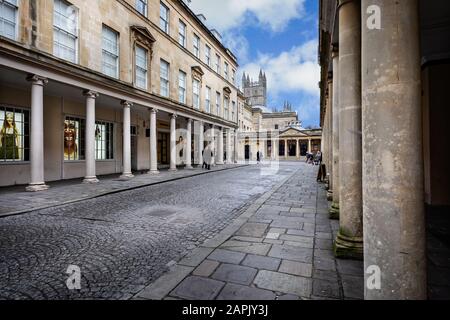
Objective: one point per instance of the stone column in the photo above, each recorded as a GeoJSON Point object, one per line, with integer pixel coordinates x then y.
{"type": "Point", "coordinates": [228, 147]}
{"type": "Point", "coordinates": [309, 146]}
{"type": "Point", "coordinates": [393, 169]}
{"type": "Point", "coordinates": [173, 143]}
{"type": "Point", "coordinates": [285, 148]}
{"type": "Point", "coordinates": [334, 211]}
{"type": "Point", "coordinates": [349, 241]}
{"type": "Point", "coordinates": [220, 146]}
{"type": "Point", "coordinates": [126, 140]}
{"type": "Point", "coordinates": [201, 139]}
{"type": "Point", "coordinates": [297, 148]}
{"type": "Point", "coordinates": [212, 134]}
{"type": "Point", "coordinates": [37, 181]}
{"type": "Point", "coordinates": [189, 144]}
{"type": "Point", "coordinates": [90, 137]}
{"type": "Point", "coordinates": [236, 145]}
{"type": "Point", "coordinates": [330, 138]}
{"type": "Point", "coordinates": [153, 143]}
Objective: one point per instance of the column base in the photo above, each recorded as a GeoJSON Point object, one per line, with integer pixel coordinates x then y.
{"type": "Point", "coordinates": [153, 172]}
{"type": "Point", "coordinates": [189, 168]}
{"type": "Point", "coordinates": [330, 195]}
{"type": "Point", "coordinates": [348, 247]}
{"type": "Point", "coordinates": [220, 163]}
{"type": "Point", "coordinates": [90, 180]}
{"type": "Point", "coordinates": [126, 176]}
{"type": "Point", "coordinates": [173, 170]}
{"type": "Point", "coordinates": [334, 211]}
{"type": "Point", "coordinates": [36, 187]}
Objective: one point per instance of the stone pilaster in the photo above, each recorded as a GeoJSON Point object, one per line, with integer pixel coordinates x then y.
{"type": "Point", "coordinates": [393, 169]}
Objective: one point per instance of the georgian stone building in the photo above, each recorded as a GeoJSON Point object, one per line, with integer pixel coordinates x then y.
{"type": "Point", "coordinates": [385, 115]}
{"type": "Point", "coordinates": [90, 88]}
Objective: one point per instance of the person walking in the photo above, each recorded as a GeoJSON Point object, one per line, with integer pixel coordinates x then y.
{"type": "Point", "coordinates": [208, 156]}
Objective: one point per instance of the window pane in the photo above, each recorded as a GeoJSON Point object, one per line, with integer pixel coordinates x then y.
{"type": "Point", "coordinates": [164, 18]}
{"type": "Point", "coordinates": [14, 134]}
{"type": "Point", "coordinates": [65, 31]}
{"type": "Point", "coordinates": [73, 139]}
{"type": "Point", "coordinates": [141, 6]}
{"type": "Point", "coordinates": [141, 67]}
{"type": "Point", "coordinates": [110, 51]}
{"type": "Point", "coordinates": [164, 78]}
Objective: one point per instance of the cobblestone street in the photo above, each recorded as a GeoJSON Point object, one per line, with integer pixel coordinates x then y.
{"type": "Point", "coordinates": [124, 241]}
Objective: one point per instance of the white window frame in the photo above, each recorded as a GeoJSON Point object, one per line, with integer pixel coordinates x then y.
{"type": "Point", "coordinates": [233, 110]}
{"type": "Point", "coordinates": [196, 45]}
{"type": "Point", "coordinates": [164, 80]}
{"type": "Point", "coordinates": [165, 20]}
{"type": "Point", "coordinates": [218, 96]}
{"type": "Point", "coordinates": [226, 110]}
{"type": "Point", "coordinates": [139, 67]}
{"type": "Point", "coordinates": [196, 94]}
{"type": "Point", "coordinates": [226, 68]}
{"type": "Point", "coordinates": [144, 4]}
{"type": "Point", "coordinates": [182, 27]}
{"type": "Point", "coordinates": [14, 4]}
{"type": "Point", "coordinates": [208, 100]}
{"type": "Point", "coordinates": [218, 60]}
{"type": "Point", "coordinates": [116, 56]}
{"type": "Point", "coordinates": [59, 30]}
{"type": "Point", "coordinates": [182, 87]}
{"type": "Point", "coordinates": [104, 148]}
{"type": "Point", "coordinates": [208, 55]}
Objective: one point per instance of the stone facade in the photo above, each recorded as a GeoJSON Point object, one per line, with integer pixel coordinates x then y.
{"type": "Point", "coordinates": [116, 52]}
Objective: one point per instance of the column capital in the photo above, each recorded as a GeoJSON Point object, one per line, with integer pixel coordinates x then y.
{"type": "Point", "coordinates": [126, 104]}
{"type": "Point", "coordinates": [90, 94]}
{"type": "Point", "coordinates": [173, 116]}
{"type": "Point", "coordinates": [154, 110]}
{"type": "Point", "coordinates": [37, 80]}
{"type": "Point", "coordinates": [189, 120]}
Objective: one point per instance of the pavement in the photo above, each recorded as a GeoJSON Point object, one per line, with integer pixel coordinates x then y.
{"type": "Point", "coordinates": [251, 232]}
{"type": "Point", "coordinates": [280, 248]}
{"type": "Point", "coordinates": [15, 200]}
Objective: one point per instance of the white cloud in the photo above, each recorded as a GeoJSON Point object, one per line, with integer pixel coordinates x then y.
{"type": "Point", "coordinates": [229, 14]}
{"type": "Point", "coordinates": [290, 71]}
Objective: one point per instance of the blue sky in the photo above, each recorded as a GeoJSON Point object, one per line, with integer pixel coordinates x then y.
{"type": "Point", "coordinates": [279, 36]}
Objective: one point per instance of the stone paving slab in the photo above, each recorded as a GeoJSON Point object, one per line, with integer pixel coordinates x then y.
{"type": "Point", "coordinates": [15, 200]}
{"type": "Point", "coordinates": [235, 274]}
{"type": "Point", "coordinates": [238, 292]}
{"type": "Point", "coordinates": [280, 248]}
{"type": "Point", "coordinates": [280, 282]}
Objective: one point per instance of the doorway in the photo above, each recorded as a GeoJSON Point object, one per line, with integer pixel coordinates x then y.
{"type": "Point", "coordinates": [163, 148]}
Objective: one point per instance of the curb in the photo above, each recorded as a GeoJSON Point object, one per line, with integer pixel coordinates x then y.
{"type": "Point", "coordinates": [20, 212]}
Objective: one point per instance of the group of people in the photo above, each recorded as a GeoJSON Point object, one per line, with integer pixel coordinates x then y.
{"type": "Point", "coordinates": [314, 159]}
